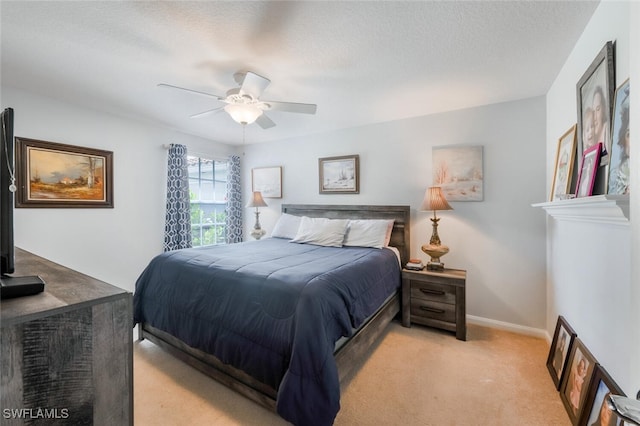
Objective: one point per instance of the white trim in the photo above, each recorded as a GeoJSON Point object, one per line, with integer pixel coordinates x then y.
{"type": "Point", "coordinates": [608, 209]}
{"type": "Point", "coordinates": [501, 325]}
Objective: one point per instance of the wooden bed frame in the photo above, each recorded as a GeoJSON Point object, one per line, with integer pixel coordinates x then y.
{"type": "Point", "coordinates": [348, 356]}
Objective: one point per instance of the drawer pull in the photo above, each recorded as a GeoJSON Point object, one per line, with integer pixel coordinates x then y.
{"type": "Point", "coordinates": [434, 310]}
{"type": "Point", "coordinates": [429, 291]}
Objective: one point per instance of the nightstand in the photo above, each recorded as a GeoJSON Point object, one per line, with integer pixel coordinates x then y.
{"type": "Point", "coordinates": [435, 299]}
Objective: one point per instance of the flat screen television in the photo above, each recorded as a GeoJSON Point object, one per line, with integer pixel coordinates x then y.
{"type": "Point", "coordinates": [7, 255]}
{"type": "Point", "coordinates": [10, 286]}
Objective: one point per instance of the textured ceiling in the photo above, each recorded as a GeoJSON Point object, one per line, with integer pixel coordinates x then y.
{"type": "Point", "coordinates": [360, 62]}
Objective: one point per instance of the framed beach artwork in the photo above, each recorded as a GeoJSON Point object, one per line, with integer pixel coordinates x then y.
{"type": "Point", "coordinates": [268, 181]}
{"type": "Point", "coordinates": [576, 381]}
{"type": "Point", "coordinates": [565, 157]}
{"type": "Point", "coordinates": [339, 175]}
{"type": "Point", "coordinates": [596, 410]}
{"type": "Point", "coordinates": [588, 171]}
{"type": "Point", "coordinates": [595, 100]}
{"type": "Point", "coordinates": [560, 348]}
{"type": "Point", "coordinates": [619, 161]}
{"type": "Point", "coordinates": [58, 175]}
{"type": "Point", "coordinates": [458, 170]}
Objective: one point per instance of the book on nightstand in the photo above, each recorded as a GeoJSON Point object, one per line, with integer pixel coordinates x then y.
{"type": "Point", "coordinates": [414, 265]}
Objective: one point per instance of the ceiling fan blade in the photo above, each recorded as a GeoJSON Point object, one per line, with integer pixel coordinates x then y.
{"type": "Point", "coordinates": [292, 107]}
{"type": "Point", "coordinates": [169, 86]}
{"type": "Point", "coordinates": [265, 122]}
{"type": "Point", "coordinates": [207, 112]}
{"type": "Point", "coordinates": [253, 84]}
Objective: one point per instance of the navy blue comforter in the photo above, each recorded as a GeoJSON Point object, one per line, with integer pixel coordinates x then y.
{"type": "Point", "coordinates": [271, 308]}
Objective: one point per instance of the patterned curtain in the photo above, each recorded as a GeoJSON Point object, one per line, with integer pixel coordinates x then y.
{"type": "Point", "coordinates": [177, 228]}
{"type": "Point", "coordinates": [234, 201]}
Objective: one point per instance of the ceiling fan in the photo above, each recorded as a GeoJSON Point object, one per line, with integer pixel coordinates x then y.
{"type": "Point", "coordinates": [243, 103]}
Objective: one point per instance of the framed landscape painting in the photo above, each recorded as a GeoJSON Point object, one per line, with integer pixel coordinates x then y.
{"type": "Point", "coordinates": [57, 175]}
{"type": "Point", "coordinates": [339, 175]}
{"type": "Point", "coordinates": [268, 181]}
{"type": "Point", "coordinates": [458, 170]}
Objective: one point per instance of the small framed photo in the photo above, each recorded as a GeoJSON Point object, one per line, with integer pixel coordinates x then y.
{"type": "Point", "coordinates": [588, 171]}
{"type": "Point", "coordinates": [52, 174]}
{"type": "Point", "coordinates": [268, 181]}
{"type": "Point", "coordinates": [560, 348]}
{"type": "Point", "coordinates": [339, 175]}
{"type": "Point", "coordinates": [577, 379]}
{"type": "Point", "coordinates": [596, 410]}
{"type": "Point", "coordinates": [565, 157]}
{"type": "Point", "coordinates": [619, 161]}
{"type": "Point", "coordinates": [595, 101]}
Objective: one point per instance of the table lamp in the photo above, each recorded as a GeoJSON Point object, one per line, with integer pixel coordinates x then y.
{"type": "Point", "coordinates": [257, 201]}
{"type": "Point", "coordinates": [434, 200]}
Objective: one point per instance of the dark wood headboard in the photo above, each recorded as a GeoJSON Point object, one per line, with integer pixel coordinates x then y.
{"type": "Point", "coordinates": [401, 214]}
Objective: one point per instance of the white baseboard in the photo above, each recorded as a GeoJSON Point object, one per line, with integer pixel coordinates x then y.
{"type": "Point", "coordinates": [501, 325]}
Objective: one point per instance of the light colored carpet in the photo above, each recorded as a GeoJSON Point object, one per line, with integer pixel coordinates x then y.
{"type": "Point", "coordinates": [413, 376]}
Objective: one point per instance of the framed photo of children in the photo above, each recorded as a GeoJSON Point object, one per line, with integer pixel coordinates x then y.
{"type": "Point", "coordinates": [560, 347]}
{"type": "Point", "coordinates": [619, 161]}
{"type": "Point", "coordinates": [595, 100]}
{"type": "Point", "coordinates": [596, 410]}
{"type": "Point", "coordinates": [576, 380]}
{"type": "Point", "coordinates": [588, 170]}
{"type": "Point", "coordinates": [565, 158]}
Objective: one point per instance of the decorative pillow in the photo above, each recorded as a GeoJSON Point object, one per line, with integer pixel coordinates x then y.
{"type": "Point", "coordinates": [368, 233]}
{"type": "Point", "coordinates": [321, 231]}
{"type": "Point", "coordinates": [286, 226]}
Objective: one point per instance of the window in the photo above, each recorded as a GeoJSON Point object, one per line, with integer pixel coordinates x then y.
{"type": "Point", "coordinates": [208, 194]}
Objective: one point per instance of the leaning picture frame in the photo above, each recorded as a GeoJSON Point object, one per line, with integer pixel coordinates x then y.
{"type": "Point", "coordinates": [268, 181]}
{"type": "Point", "coordinates": [563, 171]}
{"type": "Point", "coordinates": [561, 344]}
{"type": "Point", "coordinates": [339, 175]}
{"type": "Point", "coordinates": [596, 409]}
{"type": "Point", "coordinates": [55, 175]}
{"type": "Point", "coordinates": [588, 170]}
{"type": "Point", "coordinates": [619, 162]}
{"type": "Point", "coordinates": [595, 91]}
{"type": "Point", "coordinates": [577, 379]}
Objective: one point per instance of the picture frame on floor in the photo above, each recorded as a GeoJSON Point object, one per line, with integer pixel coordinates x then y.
{"type": "Point", "coordinates": [563, 339]}
{"type": "Point", "coordinates": [596, 410]}
{"type": "Point", "coordinates": [577, 379]}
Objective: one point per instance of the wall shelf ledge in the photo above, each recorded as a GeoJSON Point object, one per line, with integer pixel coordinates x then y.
{"type": "Point", "coordinates": [605, 209]}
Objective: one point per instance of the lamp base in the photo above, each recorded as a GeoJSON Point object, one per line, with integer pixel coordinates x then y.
{"type": "Point", "coordinates": [258, 233]}
{"type": "Point", "coordinates": [435, 251]}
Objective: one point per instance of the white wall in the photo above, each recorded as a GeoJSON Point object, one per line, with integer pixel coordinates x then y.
{"type": "Point", "coordinates": [500, 241]}
{"type": "Point", "coordinates": [113, 245]}
{"type": "Point", "coordinates": [589, 265]}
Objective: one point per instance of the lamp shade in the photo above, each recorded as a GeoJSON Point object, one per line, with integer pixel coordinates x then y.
{"type": "Point", "coordinates": [256, 200]}
{"type": "Point", "coordinates": [243, 113]}
{"type": "Point", "coordinates": [434, 200]}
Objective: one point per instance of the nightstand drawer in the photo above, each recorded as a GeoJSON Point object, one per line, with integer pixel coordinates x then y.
{"type": "Point", "coordinates": [433, 291]}
{"type": "Point", "coordinates": [435, 310]}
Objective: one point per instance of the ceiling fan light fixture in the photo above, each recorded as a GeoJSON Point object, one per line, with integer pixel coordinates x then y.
{"type": "Point", "coordinates": [243, 113]}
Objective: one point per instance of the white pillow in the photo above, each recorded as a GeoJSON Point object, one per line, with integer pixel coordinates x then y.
{"type": "Point", "coordinates": [286, 226]}
{"type": "Point", "coordinates": [321, 231]}
{"type": "Point", "coordinates": [369, 233]}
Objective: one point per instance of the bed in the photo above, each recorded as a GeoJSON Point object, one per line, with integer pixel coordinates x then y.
{"type": "Point", "coordinates": [291, 320]}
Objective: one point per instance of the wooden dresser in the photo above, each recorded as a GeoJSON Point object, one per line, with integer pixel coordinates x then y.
{"type": "Point", "coordinates": [436, 299]}
{"type": "Point", "coordinates": [66, 355]}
